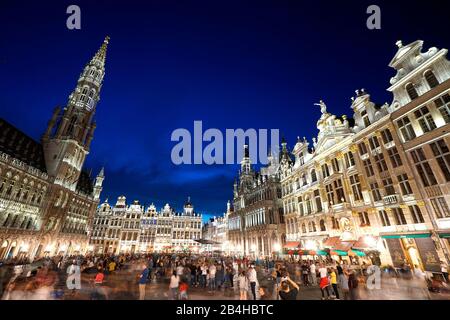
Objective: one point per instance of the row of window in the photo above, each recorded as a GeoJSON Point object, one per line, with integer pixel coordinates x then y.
{"type": "Point", "coordinates": [424, 117]}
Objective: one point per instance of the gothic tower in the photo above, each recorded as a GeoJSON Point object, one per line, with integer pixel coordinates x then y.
{"type": "Point", "coordinates": [70, 131]}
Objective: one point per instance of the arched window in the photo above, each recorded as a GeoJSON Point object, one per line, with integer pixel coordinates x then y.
{"type": "Point", "coordinates": [303, 228]}
{"type": "Point", "coordinates": [322, 225]}
{"type": "Point", "coordinates": [412, 93]}
{"type": "Point", "coordinates": [71, 126]}
{"type": "Point", "coordinates": [314, 226]}
{"type": "Point", "coordinates": [304, 182]}
{"type": "Point", "coordinates": [431, 79]}
{"type": "Point", "coordinates": [91, 98]}
{"type": "Point", "coordinates": [83, 94]}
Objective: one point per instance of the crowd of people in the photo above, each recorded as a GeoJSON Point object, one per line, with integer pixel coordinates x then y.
{"type": "Point", "coordinates": [221, 276]}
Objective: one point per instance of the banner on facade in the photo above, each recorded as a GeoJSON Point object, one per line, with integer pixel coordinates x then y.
{"type": "Point", "coordinates": [396, 251]}
{"type": "Point", "coordinates": [428, 254]}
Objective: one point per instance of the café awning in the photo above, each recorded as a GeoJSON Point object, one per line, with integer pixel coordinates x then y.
{"type": "Point", "coordinates": [366, 243]}
{"type": "Point", "coordinates": [291, 245]}
{"type": "Point", "coordinates": [406, 235]}
{"type": "Point", "coordinates": [331, 242]}
{"type": "Point", "coordinates": [343, 245]}
{"type": "Point", "coordinates": [204, 241]}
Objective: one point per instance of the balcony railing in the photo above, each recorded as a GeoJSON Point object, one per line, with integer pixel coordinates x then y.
{"type": "Point", "coordinates": [391, 199]}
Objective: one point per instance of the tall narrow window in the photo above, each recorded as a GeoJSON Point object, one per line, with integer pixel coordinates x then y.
{"type": "Point", "coordinates": [440, 207]}
{"type": "Point", "coordinates": [365, 118]}
{"type": "Point", "coordinates": [425, 119]}
{"type": "Point", "coordinates": [362, 148]}
{"type": "Point", "coordinates": [368, 167]}
{"type": "Point", "coordinates": [442, 154]}
{"type": "Point", "coordinates": [395, 157]}
{"type": "Point", "coordinates": [322, 225]}
{"type": "Point", "coordinates": [375, 191]}
{"type": "Point", "coordinates": [335, 164]}
{"type": "Point", "coordinates": [412, 92]}
{"type": "Point", "coordinates": [404, 184]}
{"type": "Point", "coordinates": [339, 189]}
{"type": "Point", "coordinates": [384, 217]}
{"type": "Point", "coordinates": [388, 186]}
{"type": "Point", "coordinates": [329, 190]}
{"type": "Point", "coordinates": [406, 129]}
{"type": "Point", "coordinates": [443, 105]}
{"type": "Point", "coordinates": [318, 200]}
{"type": "Point", "coordinates": [313, 176]}
{"type": "Point", "coordinates": [349, 159]}
{"type": "Point", "coordinates": [431, 79]}
{"type": "Point", "coordinates": [399, 216]}
{"type": "Point", "coordinates": [423, 168]}
{"type": "Point", "coordinates": [386, 136]}
{"type": "Point", "coordinates": [364, 219]}
{"type": "Point", "coordinates": [325, 170]}
{"type": "Point", "coordinates": [380, 162]}
{"type": "Point", "coordinates": [356, 187]}
{"type": "Point", "coordinates": [416, 214]}
{"type": "Point", "coordinates": [373, 142]}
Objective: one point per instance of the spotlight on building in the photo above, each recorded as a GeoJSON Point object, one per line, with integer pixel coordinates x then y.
{"type": "Point", "coordinates": [277, 247]}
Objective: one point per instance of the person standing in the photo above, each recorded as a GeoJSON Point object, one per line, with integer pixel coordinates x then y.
{"type": "Point", "coordinates": [252, 279]}
{"type": "Point", "coordinates": [243, 286]}
{"type": "Point", "coordinates": [173, 286]}
{"type": "Point", "coordinates": [312, 269]}
{"type": "Point", "coordinates": [333, 280]}
{"type": "Point", "coordinates": [324, 283]}
{"type": "Point", "coordinates": [212, 277]}
{"type": "Point", "coordinates": [288, 290]}
{"type": "Point", "coordinates": [143, 278]}
{"type": "Point", "coordinates": [343, 283]}
{"type": "Point", "coordinates": [204, 274]}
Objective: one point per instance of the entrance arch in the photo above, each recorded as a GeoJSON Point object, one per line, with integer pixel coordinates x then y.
{"type": "Point", "coordinates": [3, 249]}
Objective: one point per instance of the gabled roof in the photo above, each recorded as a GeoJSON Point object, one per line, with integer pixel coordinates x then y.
{"type": "Point", "coordinates": [20, 146]}
{"type": "Point", "coordinates": [404, 51]}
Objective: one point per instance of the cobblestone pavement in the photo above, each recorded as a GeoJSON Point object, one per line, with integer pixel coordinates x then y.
{"type": "Point", "coordinates": [122, 285]}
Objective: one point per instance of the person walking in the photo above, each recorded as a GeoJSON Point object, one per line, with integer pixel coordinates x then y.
{"type": "Point", "coordinates": [353, 286]}
{"type": "Point", "coordinates": [143, 279]}
{"type": "Point", "coordinates": [173, 286]}
{"type": "Point", "coordinates": [252, 278]}
{"type": "Point", "coordinates": [183, 290]}
{"type": "Point", "coordinates": [343, 283]}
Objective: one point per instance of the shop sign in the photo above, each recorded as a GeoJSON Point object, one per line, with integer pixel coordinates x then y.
{"type": "Point", "coordinates": [428, 254]}
{"type": "Point", "coordinates": [396, 251]}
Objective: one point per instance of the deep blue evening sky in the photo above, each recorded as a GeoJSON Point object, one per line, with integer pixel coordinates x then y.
{"type": "Point", "coordinates": [232, 64]}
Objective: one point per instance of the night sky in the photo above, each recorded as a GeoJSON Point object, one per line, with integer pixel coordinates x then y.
{"type": "Point", "coordinates": [231, 64]}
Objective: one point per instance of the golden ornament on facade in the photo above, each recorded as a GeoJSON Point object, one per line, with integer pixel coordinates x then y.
{"type": "Point", "coordinates": [420, 203]}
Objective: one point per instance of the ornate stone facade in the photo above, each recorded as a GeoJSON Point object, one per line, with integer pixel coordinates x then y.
{"type": "Point", "coordinates": [256, 225]}
{"type": "Point", "coordinates": [378, 185]}
{"type": "Point", "coordinates": [46, 200]}
{"type": "Point", "coordinates": [133, 229]}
